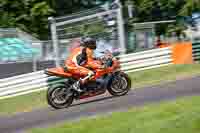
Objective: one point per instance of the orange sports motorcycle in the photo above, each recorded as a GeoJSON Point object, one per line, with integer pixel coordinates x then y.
{"type": "Point", "coordinates": [112, 79]}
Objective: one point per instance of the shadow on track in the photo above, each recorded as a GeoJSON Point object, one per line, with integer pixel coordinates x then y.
{"type": "Point", "coordinates": [80, 102]}
{"type": "Point", "coordinates": [101, 99]}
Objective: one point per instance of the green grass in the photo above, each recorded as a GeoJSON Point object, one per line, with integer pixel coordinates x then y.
{"type": "Point", "coordinates": [139, 79]}
{"type": "Point", "coordinates": [181, 116]}
{"type": "Point", "coordinates": [164, 74]}
{"type": "Point", "coordinates": [23, 103]}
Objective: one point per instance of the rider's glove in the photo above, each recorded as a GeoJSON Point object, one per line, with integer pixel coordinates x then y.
{"type": "Point", "coordinates": [65, 68]}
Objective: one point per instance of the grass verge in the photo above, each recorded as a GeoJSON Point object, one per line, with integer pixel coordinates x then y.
{"type": "Point", "coordinates": [181, 116]}
{"type": "Point", "coordinates": [164, 74]}
{"type": "Point", "coordinates": [160, 75]}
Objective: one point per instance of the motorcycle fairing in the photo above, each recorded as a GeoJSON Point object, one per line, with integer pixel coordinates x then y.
{"type": "Point", "coordinates": [58, 71]}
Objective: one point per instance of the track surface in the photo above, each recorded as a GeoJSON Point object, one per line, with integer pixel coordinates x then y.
{"type": "Point", "coordinates": [100, 105]}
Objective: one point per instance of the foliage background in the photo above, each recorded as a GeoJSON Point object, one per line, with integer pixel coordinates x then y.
{"type": "Point", "coordinates": [32, 15]}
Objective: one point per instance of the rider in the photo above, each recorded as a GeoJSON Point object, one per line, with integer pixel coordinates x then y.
{"type": "Point", "coordinates": [81, 59]}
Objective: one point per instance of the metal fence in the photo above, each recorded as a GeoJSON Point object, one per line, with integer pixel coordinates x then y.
{"type": "Point", "coordinates": [196, 51]}
{"type": "Point", "coordinates": [36, 81]}
{"type": "Point", "coordinates": [65, 34]}
{"type": "Point", "coordinates": [105, 22]}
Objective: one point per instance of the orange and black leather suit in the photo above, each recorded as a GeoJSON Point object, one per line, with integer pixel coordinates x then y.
{"type": "Point", "coordinates": [80, 60]}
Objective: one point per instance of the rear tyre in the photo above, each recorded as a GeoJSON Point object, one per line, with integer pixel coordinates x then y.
{"type": "Point", "coordinates": [58, 96]}
{"type": "Point", "coordinates": [120, 84]}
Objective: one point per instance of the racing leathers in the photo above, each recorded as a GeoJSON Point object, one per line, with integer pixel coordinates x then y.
{"type": "Point", "coordinates": [80, 60]}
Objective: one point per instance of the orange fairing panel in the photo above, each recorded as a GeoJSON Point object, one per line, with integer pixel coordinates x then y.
{"type": "Point", "coordinates": [59, 71]}
{"type": "Point", "coordinates": [182, 53]}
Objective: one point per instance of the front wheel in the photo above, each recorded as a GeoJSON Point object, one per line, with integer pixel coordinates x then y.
{"type": "Point", "coordinates": [58, 97]}
{"type": "Point", "coordinates": [120, 84]}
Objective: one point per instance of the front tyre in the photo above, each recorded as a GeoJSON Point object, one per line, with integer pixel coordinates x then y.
{"type": "Point", "coordinates": [58, 97]}
{"type": "Point", "coordinates": [120, 84]}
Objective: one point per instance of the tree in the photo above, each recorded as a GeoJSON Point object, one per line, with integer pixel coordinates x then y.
{"type": "Point", "coordinates": [28, 15]}
{"type": "Point", "coordinates": [32, 15]}
{"type": "Point", "coordinates": [189, 7]}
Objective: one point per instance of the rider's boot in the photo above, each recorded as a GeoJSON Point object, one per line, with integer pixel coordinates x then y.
{"type": "Point", "coordinates": [77, 85]}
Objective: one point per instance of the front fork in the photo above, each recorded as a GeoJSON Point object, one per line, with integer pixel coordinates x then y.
{"type": "Point", "coordinates": [111, 76]}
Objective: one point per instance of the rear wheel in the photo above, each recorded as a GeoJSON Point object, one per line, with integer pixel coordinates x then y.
{"type": "Point", "coordinates": [59, 96]}
{"type": "Point", "coordinates": [120, 84]}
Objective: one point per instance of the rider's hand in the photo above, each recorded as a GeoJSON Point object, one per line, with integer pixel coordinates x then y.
{"type": "Point", "coordinates": [65, 68]}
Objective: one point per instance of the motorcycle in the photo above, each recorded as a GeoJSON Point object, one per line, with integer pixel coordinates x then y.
{"type": "Point", "coordinates": [112, 79]}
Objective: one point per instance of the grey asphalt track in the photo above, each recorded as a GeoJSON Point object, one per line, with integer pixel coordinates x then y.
{"type": "Point", "coordinates": [100, 105]}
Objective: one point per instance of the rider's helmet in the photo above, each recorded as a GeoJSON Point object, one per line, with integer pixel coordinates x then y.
{"type": "Point", "coordinates": [88, 42]}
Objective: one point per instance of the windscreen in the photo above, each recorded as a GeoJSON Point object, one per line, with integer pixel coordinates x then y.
{"type": "Point", "coordinates": [104, 46]}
